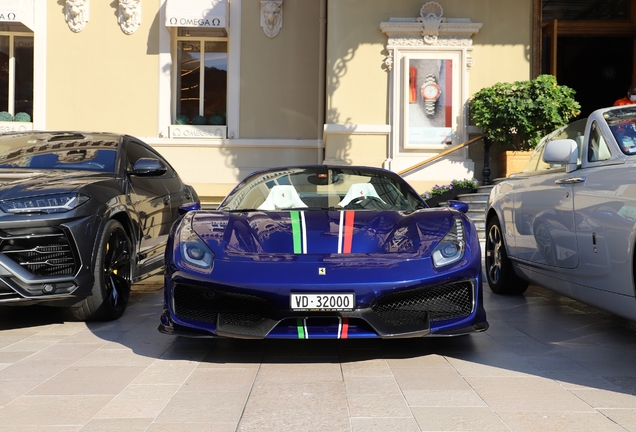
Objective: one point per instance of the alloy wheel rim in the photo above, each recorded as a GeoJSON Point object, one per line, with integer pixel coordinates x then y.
{"type": "Point", "coordinates": [493, 254]}
{"type": "Point", "coordinates": [117, 269]}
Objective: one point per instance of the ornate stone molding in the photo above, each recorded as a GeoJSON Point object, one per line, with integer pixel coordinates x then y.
{"type": "Point", "coordinates": [76, 14]}
{"type": "Point", "coordinates": [129, 15]}
{"type": "Point", "coordinates": [431, 17]}
{"type": "Point", "coordinates": [271, 17]}
{"type": "Point", "coordinates": [430, 29]}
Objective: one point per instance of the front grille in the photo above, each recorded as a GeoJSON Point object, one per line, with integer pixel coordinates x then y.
{"type": "Point", "coordinates": [41, 251]}
{"type": "Point", "coordinates": [440, 302]}
{"type": "Point", "coordinates": [205, 304]}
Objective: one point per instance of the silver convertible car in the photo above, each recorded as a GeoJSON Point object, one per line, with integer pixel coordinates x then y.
{"type": "Point", "coordinates": [568, 221]}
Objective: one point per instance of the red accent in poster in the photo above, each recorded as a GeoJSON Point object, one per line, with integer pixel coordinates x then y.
{"type": "Point", "coordinates": [412, 85]}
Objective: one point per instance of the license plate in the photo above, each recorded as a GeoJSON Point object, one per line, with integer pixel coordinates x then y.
{"type": "Point", "coordinates": [323, 301]}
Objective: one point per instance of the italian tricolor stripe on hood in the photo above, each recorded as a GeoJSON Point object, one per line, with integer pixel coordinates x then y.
{"type": "Point", "coordinates": [345, 232]}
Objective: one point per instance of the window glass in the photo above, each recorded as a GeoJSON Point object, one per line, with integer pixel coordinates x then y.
{"type": "Point", "coordinates": [16, 77]}
{"type": "Point", "coordinates": [134, 152]}
{"type": "Point", "coordinates": [622, 123]}
{"type": "Point", "coordinates": [24, 75]}
{"type": "Point", "coordinates": [188, 87]}
{"type": "Point", "coordinates": [318, 188]}
{"type": "Point", "coordinates": [63, 152]}
{"type": "Point", "coordinates": [215, 82]}
{"type": "Point", "coordinates": [598, 149]}
{"type": "Point", "coordinates": [202, 59]}
{"type": "Point", "coordinates": [574, 131]}
{"type": "Point", "coordinates": [4, 73]}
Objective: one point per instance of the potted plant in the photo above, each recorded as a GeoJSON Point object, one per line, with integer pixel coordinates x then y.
{"type": "Point", "coordinates": [520, 113]}
{"type": "Point", "coordinates": [440, 194]}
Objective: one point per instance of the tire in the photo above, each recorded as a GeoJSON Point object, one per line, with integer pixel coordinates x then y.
{"type": "Point", "coordinates": [501, 277]}
{"type": "Point", "coordinates": [113, 274]}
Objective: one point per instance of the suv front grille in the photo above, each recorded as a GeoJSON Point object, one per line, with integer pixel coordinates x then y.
{"type": "Point", "coordinates": [41, 251]}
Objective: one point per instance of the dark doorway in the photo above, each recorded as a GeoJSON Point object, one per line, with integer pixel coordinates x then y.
{"type": "Point", "coordinates": [588, 45]}
{"type": "Point", "coordinates": [598, 68]}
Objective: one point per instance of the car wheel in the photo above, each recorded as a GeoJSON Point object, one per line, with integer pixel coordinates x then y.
{"type": "Point", "coordinates": [501, 277]}
{"type": "Point", "coordinates": [113, 273]}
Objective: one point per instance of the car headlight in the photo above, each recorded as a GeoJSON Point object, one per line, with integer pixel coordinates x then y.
{"type": "Point", "coordinates": [44, 204]}
{"type": "Point", "coordinates": [194, 251]}
{"type": "Point", "coordinates": [451, 248]}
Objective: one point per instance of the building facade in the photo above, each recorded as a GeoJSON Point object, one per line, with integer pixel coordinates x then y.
{"type": "Point", "coordinates": [225, 87]}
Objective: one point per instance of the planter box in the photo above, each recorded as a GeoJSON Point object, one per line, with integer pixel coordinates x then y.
{"type": "Point", "coordinates": [190, 131]}
{"type": "Point", "coordinates": [450, 195]}
{"type": "Point", "coordinates": [510, 162]}
{"type": "Point", "coordinates": [15, 127]}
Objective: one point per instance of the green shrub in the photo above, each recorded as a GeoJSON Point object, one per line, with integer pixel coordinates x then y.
{"type": "Point", "coordinates": [199, 120]}
{"type": "Point", "coordinates": [6, 116]}
{"type": "Point", "coordinates": [523, 112]}
{"type": "Point", "coordinates": [216, 120]}
{"type": "Point", "coordinates": [182, 120]}
{"type": "Point", "coordinates": [22, 117]}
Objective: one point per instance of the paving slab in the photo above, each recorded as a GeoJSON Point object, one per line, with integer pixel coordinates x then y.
{"type": "Point", "coordinates": [547, 363]}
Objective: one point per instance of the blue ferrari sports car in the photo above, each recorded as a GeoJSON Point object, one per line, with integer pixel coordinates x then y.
{"type": "Point", "coordinates": [323, 252]}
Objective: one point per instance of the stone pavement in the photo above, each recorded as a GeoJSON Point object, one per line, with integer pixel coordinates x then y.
{"type": "Point", "coordinates": [546, 364]}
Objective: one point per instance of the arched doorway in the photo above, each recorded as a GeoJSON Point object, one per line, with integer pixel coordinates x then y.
{"type": "Point", "coordinates": [588, 45]}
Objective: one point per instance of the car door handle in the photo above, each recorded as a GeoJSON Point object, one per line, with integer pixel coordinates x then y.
{"type": "Point", "coordinates": [166, 200]}
{"type": "Point", "coordinates": [571, 180]}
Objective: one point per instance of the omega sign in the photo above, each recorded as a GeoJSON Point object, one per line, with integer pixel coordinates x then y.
{"type": "Point", "coordinates": [195, 22]}
{"type": "Point", "coordinates": [8, 16]}
{"type": "Point", "coordinates": [189, 131]}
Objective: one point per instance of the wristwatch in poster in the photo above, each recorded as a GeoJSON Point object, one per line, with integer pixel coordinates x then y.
{"type": "Point", "coordinates": [430, 93]}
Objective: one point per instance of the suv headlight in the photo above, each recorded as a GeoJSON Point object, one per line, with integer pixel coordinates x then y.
{"type": "Point", "coordinates": [194, 252]}
{"type": "Point", "coordinates": [58, 203]}
{"type": "Point", "coordinates": [451, 248]}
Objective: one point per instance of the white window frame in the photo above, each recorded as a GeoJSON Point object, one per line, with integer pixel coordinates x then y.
{"type": "Point", "coordinates": [167, 92]}
{"type": "Point", "coordinates": [11, 94]}
{"type": "Point", "coordinates": [175, 67]}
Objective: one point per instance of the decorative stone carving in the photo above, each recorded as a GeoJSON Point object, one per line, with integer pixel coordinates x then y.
{"type": "Point", "coordinates": [271, 17]}
{"type": "Point", "coordinates": [431, 17]}
{"type": "Point", "coordinates": [129, 15]}
{"type": "Point", "coordinates": [430, 29]}
{"type": "Point", "coordinates": [388, 61]}
{"type": "Point", "coordinates": [76, 14]}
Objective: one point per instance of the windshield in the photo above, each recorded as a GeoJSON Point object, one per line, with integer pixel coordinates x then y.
{"type": "Point", "coordinates": [322, 188]}
{"type": "Point", "coordinates": [622, 123]}
{"type": "Point", "coordinates": [60, 152]}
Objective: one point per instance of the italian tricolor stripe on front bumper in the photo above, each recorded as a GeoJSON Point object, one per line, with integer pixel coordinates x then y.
{"type": "Point", "coordinates": [345, 231]}
{"type": "Point", "coordinates": [303, 330]}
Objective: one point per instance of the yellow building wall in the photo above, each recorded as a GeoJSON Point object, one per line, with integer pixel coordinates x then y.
{"type": "Point", "coordinates": [358, 83]}
{"type": "Point", "coordinates": [280, 75]}
{"type": "Point", "coordinates": [101, 79]}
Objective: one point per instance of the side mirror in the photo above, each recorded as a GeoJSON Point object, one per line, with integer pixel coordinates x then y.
{"type": "Point", "coordinates": [148, 167]}
{"type": "Point", "coordinates": [188, 207]}
{"type": "Point", "coordinates": [458, 205]}
{"type": "Point", "coordinates": [563, 152]}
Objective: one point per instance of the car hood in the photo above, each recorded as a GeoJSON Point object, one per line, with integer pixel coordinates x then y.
{"type": "Point", "coordinates": [276, 235]}
{"type": "Point", "coordinates": [17, 183]}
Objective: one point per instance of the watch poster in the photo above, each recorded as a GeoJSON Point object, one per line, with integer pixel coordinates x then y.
{"type": "Point", "coordinates": [429, 107]}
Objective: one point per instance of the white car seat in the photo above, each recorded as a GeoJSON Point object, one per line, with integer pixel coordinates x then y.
{"type": "Point", "coordinates": [359, 190]}
{"type": "Point", "coordinates": [282, 197]}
